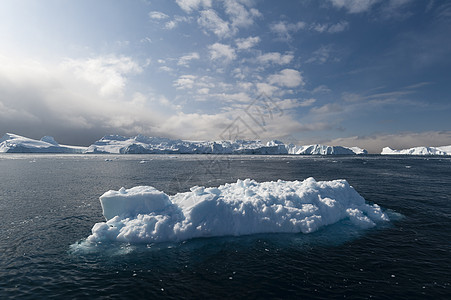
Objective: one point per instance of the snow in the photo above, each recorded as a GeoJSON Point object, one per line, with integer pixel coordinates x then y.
{"type": "Point", "coordinates": [142, 144]}
{"type": "Point", "coordinates": [144, 214]}
{"type": "Point", "coordinates": [444, 150]}
{"type": "Point", "coordinates": [13, 143]}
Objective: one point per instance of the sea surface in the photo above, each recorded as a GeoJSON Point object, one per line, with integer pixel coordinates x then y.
{"type": "Point", "coordinates": [49, 203]}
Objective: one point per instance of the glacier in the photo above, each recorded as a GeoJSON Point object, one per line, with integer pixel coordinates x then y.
{"type": "Point", "coordinates": [144, 214]}
{"type": "Point", "coordinates": [13, 143]}
{"type": "Point", "coordinates": [443, 150]}
{"type": "Point", "coordinates": [142, 145]}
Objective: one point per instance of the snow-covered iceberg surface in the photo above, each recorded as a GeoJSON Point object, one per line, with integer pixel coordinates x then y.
{"type": "Point", "coordinates": [142, 144]}
{"type": "Point", "coordinates": [13, 143]}
{"type": "Point", "coordinates": [444, 150]}
{"type": "Point", "coordinates": [144, 214]}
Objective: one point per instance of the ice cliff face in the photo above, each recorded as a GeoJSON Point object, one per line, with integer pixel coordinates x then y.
{"type": "Point", "coordinates": [13, 143]}
{"type": "Point", "coordinates": [141, 145]}
{"type": "Point", "coordinates": [444, 150]}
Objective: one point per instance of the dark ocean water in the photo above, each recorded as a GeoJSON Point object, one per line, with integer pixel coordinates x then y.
{"type": "Point", "coordinates": [49, 203]}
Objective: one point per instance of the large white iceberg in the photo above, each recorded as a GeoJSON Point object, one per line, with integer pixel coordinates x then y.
{"type": "Point", "coordinates": [142, 144]}
{"type": "Point", "coordinates": [13, 143]}
{"type": "Point", "coordinates": [325, 150]}
{"type": "Point", "coordinates": [144, 214]}
{"type": "Point", "coordinates": [444, 150]}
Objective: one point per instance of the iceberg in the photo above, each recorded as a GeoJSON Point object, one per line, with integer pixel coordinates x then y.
{"type": "Point", "coordinates": [13, 143]}
{"type": "Point", "coordinates": [142, 145]}
{"type": "Point", "coordinates": [325, 150]}
{"type": "Point", "coordinates": [444, 150]}
{"type": "Point", "coordinates": [144, 214]}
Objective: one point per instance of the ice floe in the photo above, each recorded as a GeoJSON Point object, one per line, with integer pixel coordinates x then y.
{"type": "Point", "coordinates": [144, 214]}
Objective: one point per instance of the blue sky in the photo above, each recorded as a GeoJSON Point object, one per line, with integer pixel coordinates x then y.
{"type": "Point", "coordinates": [369, 73]}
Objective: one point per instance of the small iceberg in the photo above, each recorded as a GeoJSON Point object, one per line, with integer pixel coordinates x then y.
{"type": "Point", "coordinates": [144, 214]}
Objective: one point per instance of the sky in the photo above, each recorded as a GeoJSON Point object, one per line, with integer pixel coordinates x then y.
{"type": "Point", "coordinates": [367, 73]}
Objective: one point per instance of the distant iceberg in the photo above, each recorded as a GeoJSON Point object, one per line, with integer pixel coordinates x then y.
{"type": "Point", "coordinates": [444, 150]}
{"type": "Point", "coordinates": [141, 145]}
{"type": "Point", "coordinates": [144, 214]}
{"type": "Point", "coordinates": [325, 150]}
{"type": "Point", "coordinates": [13, 143]}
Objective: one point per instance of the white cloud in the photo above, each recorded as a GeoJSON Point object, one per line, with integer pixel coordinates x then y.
{"type": "Point", "coordinates": [238, 73]}
{"type": "Point", "coordinates": [398, 3]}
{"type": "Point", "coordinates": [234, 98]}
{"type": "Point", "coordinates": [276, 58]}
{"type": "Point", "coordinates": [307, 102]}
{"type": "Point", "coordinates": [266, 89]}
{"type": "Point", "coordinates": [203, 91]}
{"type": "Point", "coordinates": [185, 60]}
{"type": "Point", "coordinates": [157, 15]}
{"type": "Point", "coordinates": [287, 78]}
{"type": "Point", "coordinates": [210, 21]}
{"type": "Point", "coordinates": [146, 40]}
{"type": "Point", "coordinates": [320, 55]}
{"type": "Point", "coordinates": [286, 104]}
{"type": "Point", "coordinates": [185, 82]}
{"type": "Point", "coordinates": [284, 29]}
{"type": "Point", "coordinates": [170, 25]}
{"type": "Point", "coordinates": [176, 21]}
{"type": "Point", "coordinates": [355, 6]}
{"type": "Point", "coordinates": [190, 5]}
{"type": "Point", "coordinates": [386, 9]}
{"type": "Point", "coordinates": [339, 27]}
{"type": "Point", "coordinates": [222, 51]}
{"type": "Point", "coordinates": [351, 97]}
{"type": "Point", "coordinates": [165, 69]}
{"type": "Point", "coordinates": [247, 43]}
{"type": "Point", "coordinates": [319, 27]}
{"type": "Point", "coordinates": [245, 85]}
{"type": "Point", "coordinates": [240, 16]}
{"type": "Point", "coordinates": [330, 28]}
{"type": "Point", "coordinates": [321, 89]}
{"type": "Point", "coordinates": [328, 108]}
{"type": "Point", "coordinates": [107, 73]}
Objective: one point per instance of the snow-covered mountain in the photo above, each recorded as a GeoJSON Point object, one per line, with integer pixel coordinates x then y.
{"type": "Point", "coordinates": [142, 144]}
{"type": "Point", "coordinates": [444, 150]}
{"type": "Point", "coordinates": [13, 143]}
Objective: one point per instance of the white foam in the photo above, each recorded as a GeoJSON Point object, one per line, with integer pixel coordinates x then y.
{"type": "Point", "coordinates": [144, 215]}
